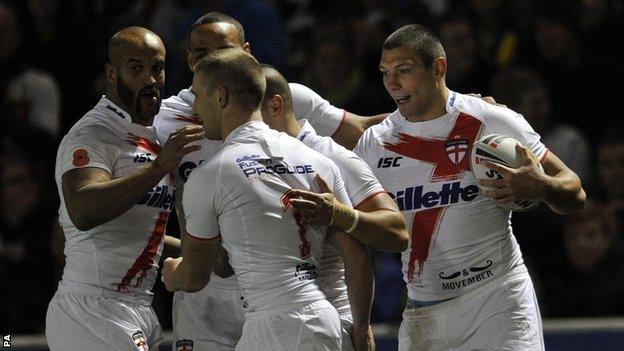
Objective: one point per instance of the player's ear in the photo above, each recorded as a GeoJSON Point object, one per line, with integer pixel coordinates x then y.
{"type": "Point", "coordinates": [247, 48]}
{"type": "Point", "coordinates": [224, 96]}
{"type": "Point", "coordinates": [189, 60]}
{"type": "Point", "coordinates": [439, 67]}
{"type": "Point", "coordinates": [273, 104]}
{"type": "Point", "coordinates": [111, 72]}
{"type": "Point", "coordinates": [277, 105]}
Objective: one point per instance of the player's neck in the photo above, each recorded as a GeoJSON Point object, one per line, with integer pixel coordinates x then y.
{"type": "Point", "coordinates": [229, 123]}
{"type": "Point", "coordinates": [436, 109]}
{"type": "Point", "coordinates": [115, 99]}
{"type": "Point", "coordinates": [291, 126]}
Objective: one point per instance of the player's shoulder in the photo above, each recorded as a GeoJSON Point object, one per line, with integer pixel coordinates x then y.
{"type": "Point", "coordinates": [303, 99]}
{"type": "Point", "coordinates": [300, 89]}
{"type": "Point", "coordinates": [478, 108]}
{"type": "Point", "coordinates": [94, 124]}
{"type": "Point", "coordinates": [329, 147]}
{"type": "Point", "coordinates": [209, 169]}
{"type": "Point", "coordinates": [314, 152]}
{"type": "Point", "coordinates": [388, 126]}
{"type": "Point", "coordinates": [183, 100]}
{"type": "Point", "coordinates": [175, 107]}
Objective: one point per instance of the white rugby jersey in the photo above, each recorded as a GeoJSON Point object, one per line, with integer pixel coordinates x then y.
{"type": "Point", "coordinates": [241, 193]}
{"type": "Point", "coordinates": [459, 238]}
{"type": "Point", "coordinates": [322, 115]}
{"type": "Point", "coordinates": [176, 112]}
{"type": "Point", "coordinates": [360, 184]}
{"type": "Point", "coordinates": [117, 259]}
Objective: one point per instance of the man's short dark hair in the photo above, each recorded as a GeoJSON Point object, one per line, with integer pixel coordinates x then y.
{"type": "Point", "coordinates": [420, 39]}
{"type": "Point", "coordinates": [276, 84]}
{"type": "Point", "coordinates": [238, 72]}
{"type": "Point", "coordinates": [218, 17]}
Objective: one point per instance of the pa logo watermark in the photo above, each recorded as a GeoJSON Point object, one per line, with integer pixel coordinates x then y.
{"type": "Point", "coordinates": [6, 341]}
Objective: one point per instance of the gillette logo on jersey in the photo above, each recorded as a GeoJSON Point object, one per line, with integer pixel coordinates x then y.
{"type": "Point", "coordinates": [159, 197]}
{"type": "Point", "coordinates": [415, 198]}
{"type": "Point", "coordinates": [448, 155]}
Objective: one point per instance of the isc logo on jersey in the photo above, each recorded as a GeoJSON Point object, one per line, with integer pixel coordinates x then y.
{"type": "Point", "coordinates": [417, 197]}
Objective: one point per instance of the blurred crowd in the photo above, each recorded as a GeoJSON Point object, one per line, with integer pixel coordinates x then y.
{"type": "Point", "coordinates": [555, 62]}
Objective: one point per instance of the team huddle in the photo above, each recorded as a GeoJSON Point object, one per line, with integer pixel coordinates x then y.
{"type": "Point", "coordinates": [277, 212]}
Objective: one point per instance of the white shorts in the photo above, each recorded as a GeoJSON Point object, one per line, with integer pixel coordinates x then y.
{"type": "Point", "coordinates": [500, 315]}
{"type": "Point", "coordinates": [210, 319]}
{"type": "Point", "coordinates": [313, 327]}
{"type": "Point", "coordinates": [85, 322]}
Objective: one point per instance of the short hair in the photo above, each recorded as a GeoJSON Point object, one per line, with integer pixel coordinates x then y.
{"type": "Point", "coordinates": [126, 37]}
{"type": "Point", "coordinates": [238, 72]}
{"type": "Point", "coordinates": [420, 39]}
{"type": "Point", "coordinates": [218, 17]}
{"type": "Point", "coordinates": [276, 84]}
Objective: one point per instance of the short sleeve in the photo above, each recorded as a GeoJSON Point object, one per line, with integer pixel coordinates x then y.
{"type": "Point", "coordinates": [514, 125]}
{"type": "Point", "coordinates": [323, 116]}
{"type": "Point", "coordinates": [86, 148]}
{"type": "Point", "coordinates": [198, 204]}
{"type": "Point", "coordinates": [339, 190]}
{"type": "Point", "coordinates": [360, 182]}
{"type": "Point", "coordinates": [361, 147]}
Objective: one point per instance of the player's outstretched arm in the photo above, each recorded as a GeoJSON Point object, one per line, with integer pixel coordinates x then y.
{"type": "Point", "coordinates": [172, 247]}
{"type": "Point", "coordinates": [222, 266]}
{"type": "Point", "coordinates": [381, 224]}
{"type": "Point", "coordinates": [191, 272]}
{"type": "Point", "coordinates": [376, 223]}
{"type": "Point", "coordinates": [557, 186]}
{"type": "Point", "coordinates": [85, 188]}
{"type": "Point", "coordinates": [360, 280]}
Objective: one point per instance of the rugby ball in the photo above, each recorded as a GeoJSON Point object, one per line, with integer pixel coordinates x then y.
{"type": "Point", "coordinates": [500, 149]}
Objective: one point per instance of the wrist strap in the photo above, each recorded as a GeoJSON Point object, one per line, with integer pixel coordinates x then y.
{"type": "Point", "coordinates": [356, 219]}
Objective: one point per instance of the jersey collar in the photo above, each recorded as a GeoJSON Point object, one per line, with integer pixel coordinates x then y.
{"type": "Point", "coordinates": [115, 112]}
{"type": "Point", "coordinates": [306, 130]}
{"type": "Point", "coordinates": [246, 128]}
{"type": "Point", "coordinates": [452, 101]}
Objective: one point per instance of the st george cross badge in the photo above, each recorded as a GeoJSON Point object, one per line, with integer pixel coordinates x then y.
{"type": "Point", "coordinates": [456, 149]}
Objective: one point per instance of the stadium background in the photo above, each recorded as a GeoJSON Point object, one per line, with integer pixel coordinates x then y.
{"type": "Point", "coordinates": [556, 62]}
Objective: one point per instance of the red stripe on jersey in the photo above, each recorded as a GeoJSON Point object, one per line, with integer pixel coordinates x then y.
{"type": "Point", "coordinates": [189, 119]}
{"type": "Point", "coordinates": [342, 121]}
{"type": "Point", "coordinates": [145, 261]}
{"type": "Point", "coordinates": [144, 144]}
{"type": "Point", "coordinates": [544, 156]}
{"type": "Point", "coordinates": [434, 150]}
{"type": "Point", "coordinates": [370, 197]}
{"type": "Point", "coordinates": [148, 145]}
{"type": "Point", "coordinates": [424, 227]}
{"type": "Point", "coordinates": [305, 249]}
